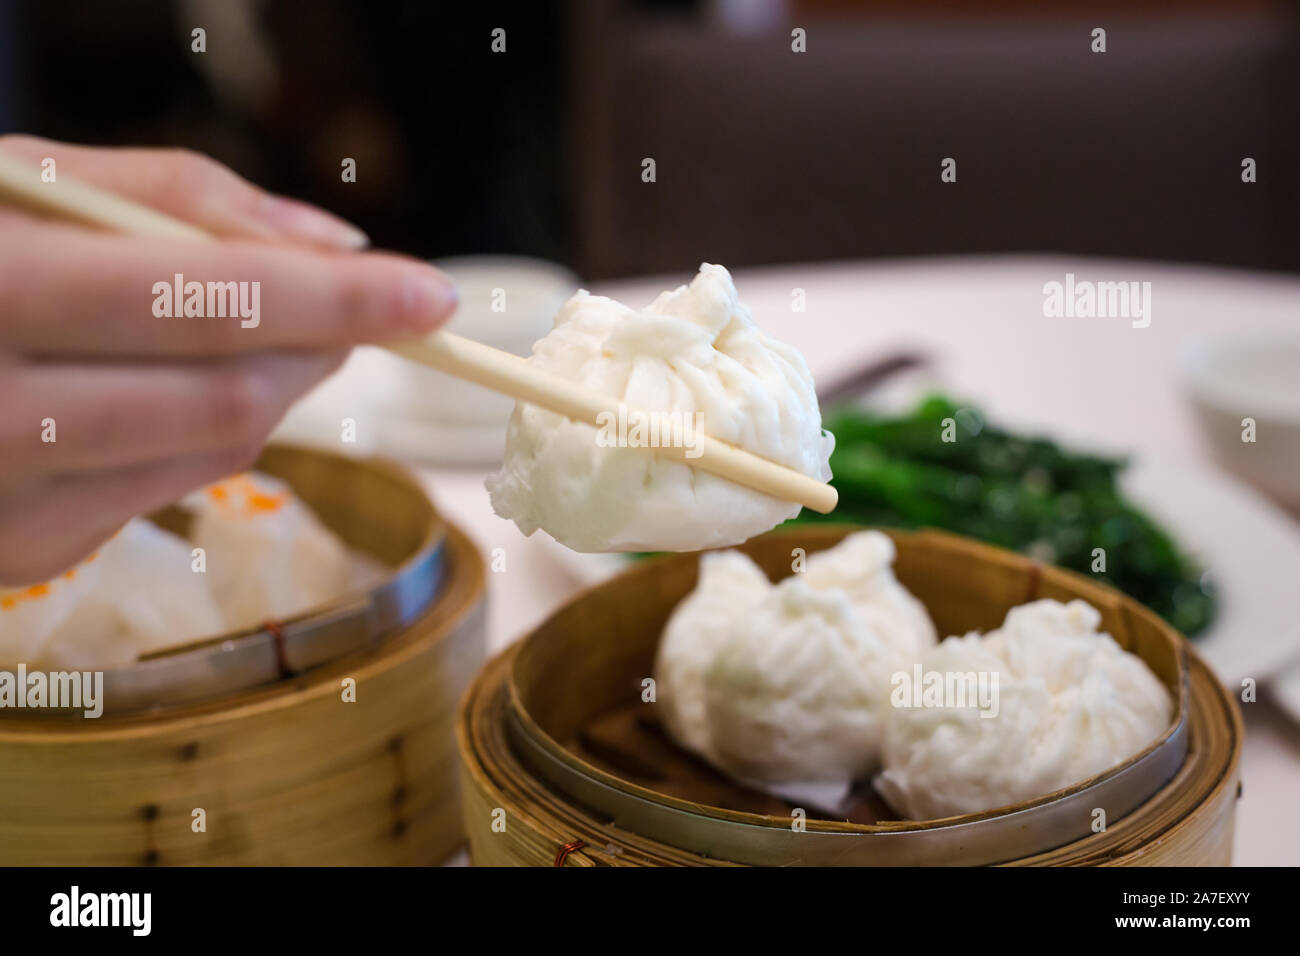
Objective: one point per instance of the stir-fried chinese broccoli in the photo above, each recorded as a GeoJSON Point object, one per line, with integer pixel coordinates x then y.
{"type": "Point", "coordinates": [1026, 494]}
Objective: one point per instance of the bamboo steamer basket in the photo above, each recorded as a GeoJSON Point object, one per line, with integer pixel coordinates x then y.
{"type": "Point", "coordinates": [538, 789]}
{"type": "Point", "coordinates": [286, 773]}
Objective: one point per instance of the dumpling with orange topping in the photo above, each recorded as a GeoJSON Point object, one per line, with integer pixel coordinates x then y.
{"type": "Point", "coordinates": [30, 615]}
{"type": "Point", "coordinates": [268, 556]}
{"type": "Point", "coordinates": [137, 594]}
{"type": "Point", "coordinates": [144, 595]}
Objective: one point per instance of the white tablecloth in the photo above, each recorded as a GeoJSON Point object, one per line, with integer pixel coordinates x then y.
{"type": "Point", "coordinates": [1097, 380]}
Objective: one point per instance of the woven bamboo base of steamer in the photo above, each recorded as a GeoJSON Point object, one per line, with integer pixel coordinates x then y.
{"type": "Point", "coordinates": [1187, 821]}
{"type": "Point", "coordinates": [289, 774]}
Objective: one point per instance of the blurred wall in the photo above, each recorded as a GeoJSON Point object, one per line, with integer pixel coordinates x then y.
{"type": "Point", "coordinates": [457, 149]}
{"type": "Point", "coordinates": [762, 154]}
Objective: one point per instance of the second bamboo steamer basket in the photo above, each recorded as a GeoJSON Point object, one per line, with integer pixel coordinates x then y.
{"type": "Point", "coordinates": [287, 773]}
{"type": "Point", "coordinates": [520, 718]}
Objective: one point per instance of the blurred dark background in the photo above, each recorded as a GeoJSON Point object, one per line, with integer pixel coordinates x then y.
{"type": "Point", "coordinates": [762, 154]}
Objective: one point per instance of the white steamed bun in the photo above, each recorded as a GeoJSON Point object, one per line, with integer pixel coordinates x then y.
{"type": "Point", "coordinates": [790, 683]}
{"type": "Point", "coordinates": [695, 349]}
{"type": "Point", "coordinates": [1071, 704]}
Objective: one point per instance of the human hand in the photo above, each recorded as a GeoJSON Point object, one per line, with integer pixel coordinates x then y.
{"type": "Point", "coordinates": [145, 408]}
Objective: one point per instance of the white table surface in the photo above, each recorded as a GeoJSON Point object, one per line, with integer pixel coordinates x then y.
{"type": "Point", "coordinates": [1097, 381]}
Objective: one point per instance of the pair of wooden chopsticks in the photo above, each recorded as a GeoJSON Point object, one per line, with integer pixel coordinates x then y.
{"type": "Point", "coordinates": [21, 185]}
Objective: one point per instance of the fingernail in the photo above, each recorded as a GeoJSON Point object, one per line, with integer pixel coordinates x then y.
{"type": "Point", "coordinates": [302, 221]}
{"type": "Point", "coordinates": [425, 301]}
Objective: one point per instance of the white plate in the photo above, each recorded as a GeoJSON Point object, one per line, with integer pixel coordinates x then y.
{"type": "Point", "coordinates": [374, 391]}
{"type": "Point", "coordinates": [1252, 550]}
{"type": "Point", "coordinates": [1250, 546]}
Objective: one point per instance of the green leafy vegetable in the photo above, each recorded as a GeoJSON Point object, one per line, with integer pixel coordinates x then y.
{"type": "Point", "coordinates": [1026, 494]}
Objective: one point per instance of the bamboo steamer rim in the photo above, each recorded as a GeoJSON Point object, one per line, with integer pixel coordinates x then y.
{"type": "Point", "coordinates": [321, 480]}
{"type": "Point", "coordinates": [464, 591]}
{"type": "Point", "coordinates": [1125, 786]}
{"type": "Point", "coordinates": [492, 777]}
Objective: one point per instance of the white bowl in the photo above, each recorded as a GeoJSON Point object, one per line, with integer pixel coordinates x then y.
{"type": "Point", "coordinates": [1233, 383]}
{"type": "Point", "coordinates": [528, 293]}
{"type": "Point", "coordinates": [413, 413]}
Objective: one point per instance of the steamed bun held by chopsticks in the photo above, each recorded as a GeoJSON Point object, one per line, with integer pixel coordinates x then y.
{"type": "Point", "coordinates": [695, 349]}
{"type": "Point", "coordinates": [268, 556]}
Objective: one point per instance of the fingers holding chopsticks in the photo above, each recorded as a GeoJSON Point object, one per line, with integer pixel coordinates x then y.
{"type": "Point", "coordinates": [132, 369]}
{"type": "Point", "coordinates": [68, 290]}
{"type": "Point", "coordinates": [192, 187]}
